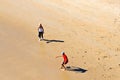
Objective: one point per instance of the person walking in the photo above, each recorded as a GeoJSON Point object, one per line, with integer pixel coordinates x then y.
{"type": "Point", "coordinates": [40, 32]}
{"type": "Point", "coordinates": [65, 61]}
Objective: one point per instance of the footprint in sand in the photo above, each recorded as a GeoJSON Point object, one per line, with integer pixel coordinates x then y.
{"type": "Point", "coordinates": [98, 58]}
{"type": "Point", "coordinates": [72, 57]}
{"type": "Point", "coordinates": [84, 62]}
{"type": "Point", "coordinates": [110, 68]}
{"type": "Point", "coordinates": [117, 49]}
{"type": "Point", "coordinates": [85, 51]}
{"type": "Point", "coordinates": [105, 57]}
{"type": "Point", "coordinates": [83, 56]}
{"type": "Point", "coordinates": [119, 65]}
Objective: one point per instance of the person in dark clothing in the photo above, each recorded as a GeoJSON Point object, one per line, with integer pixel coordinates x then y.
{"type": "Point", "coordinates": [40, 32]}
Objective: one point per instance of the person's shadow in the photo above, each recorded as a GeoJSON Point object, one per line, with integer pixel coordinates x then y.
{"type": "Point", "coordinates": [49, 41]}
{"type": "Point", "coordinates": [76, 69]}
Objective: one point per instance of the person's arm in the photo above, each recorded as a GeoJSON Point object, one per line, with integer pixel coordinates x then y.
{"type": "Point", "coordinates": [58, 56]}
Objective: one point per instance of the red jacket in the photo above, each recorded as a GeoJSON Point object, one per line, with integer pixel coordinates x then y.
{"type": "Point", "coordinates": [65, 58]}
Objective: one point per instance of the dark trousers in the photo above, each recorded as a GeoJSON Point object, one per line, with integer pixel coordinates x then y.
{"type": "Point", "coordinates": [40, 35]}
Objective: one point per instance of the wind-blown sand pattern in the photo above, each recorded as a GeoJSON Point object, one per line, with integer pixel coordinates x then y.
{"type": "Point", "coordinates": [87, 30]}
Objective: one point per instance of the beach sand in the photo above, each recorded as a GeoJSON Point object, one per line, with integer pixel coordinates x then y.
{"type": "Point", "coordinates": [87, 30]}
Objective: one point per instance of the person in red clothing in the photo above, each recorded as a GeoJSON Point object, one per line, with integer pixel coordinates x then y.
{"type": "Point", "coordinates": [65, 60]}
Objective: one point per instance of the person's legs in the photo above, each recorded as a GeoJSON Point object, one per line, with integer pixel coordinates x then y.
{"type": "Point", "coordinates": [42, 35]}
{"type": "Point", "coordinates": [63, 66]}
{"type": "Point", "coordinates": [39, 35]}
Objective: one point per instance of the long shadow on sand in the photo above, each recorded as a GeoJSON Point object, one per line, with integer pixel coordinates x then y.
{"type": "Point", "coordinates": [76, 69]}
{"type": "Point", "coordinates": [49, 41]}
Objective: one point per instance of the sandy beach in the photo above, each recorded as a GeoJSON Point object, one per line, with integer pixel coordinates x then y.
{"type": "Point", "coordinates": [87, 30]}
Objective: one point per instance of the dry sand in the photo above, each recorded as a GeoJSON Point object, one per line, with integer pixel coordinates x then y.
{"type": "Point", "coordinates": [90, 30]}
